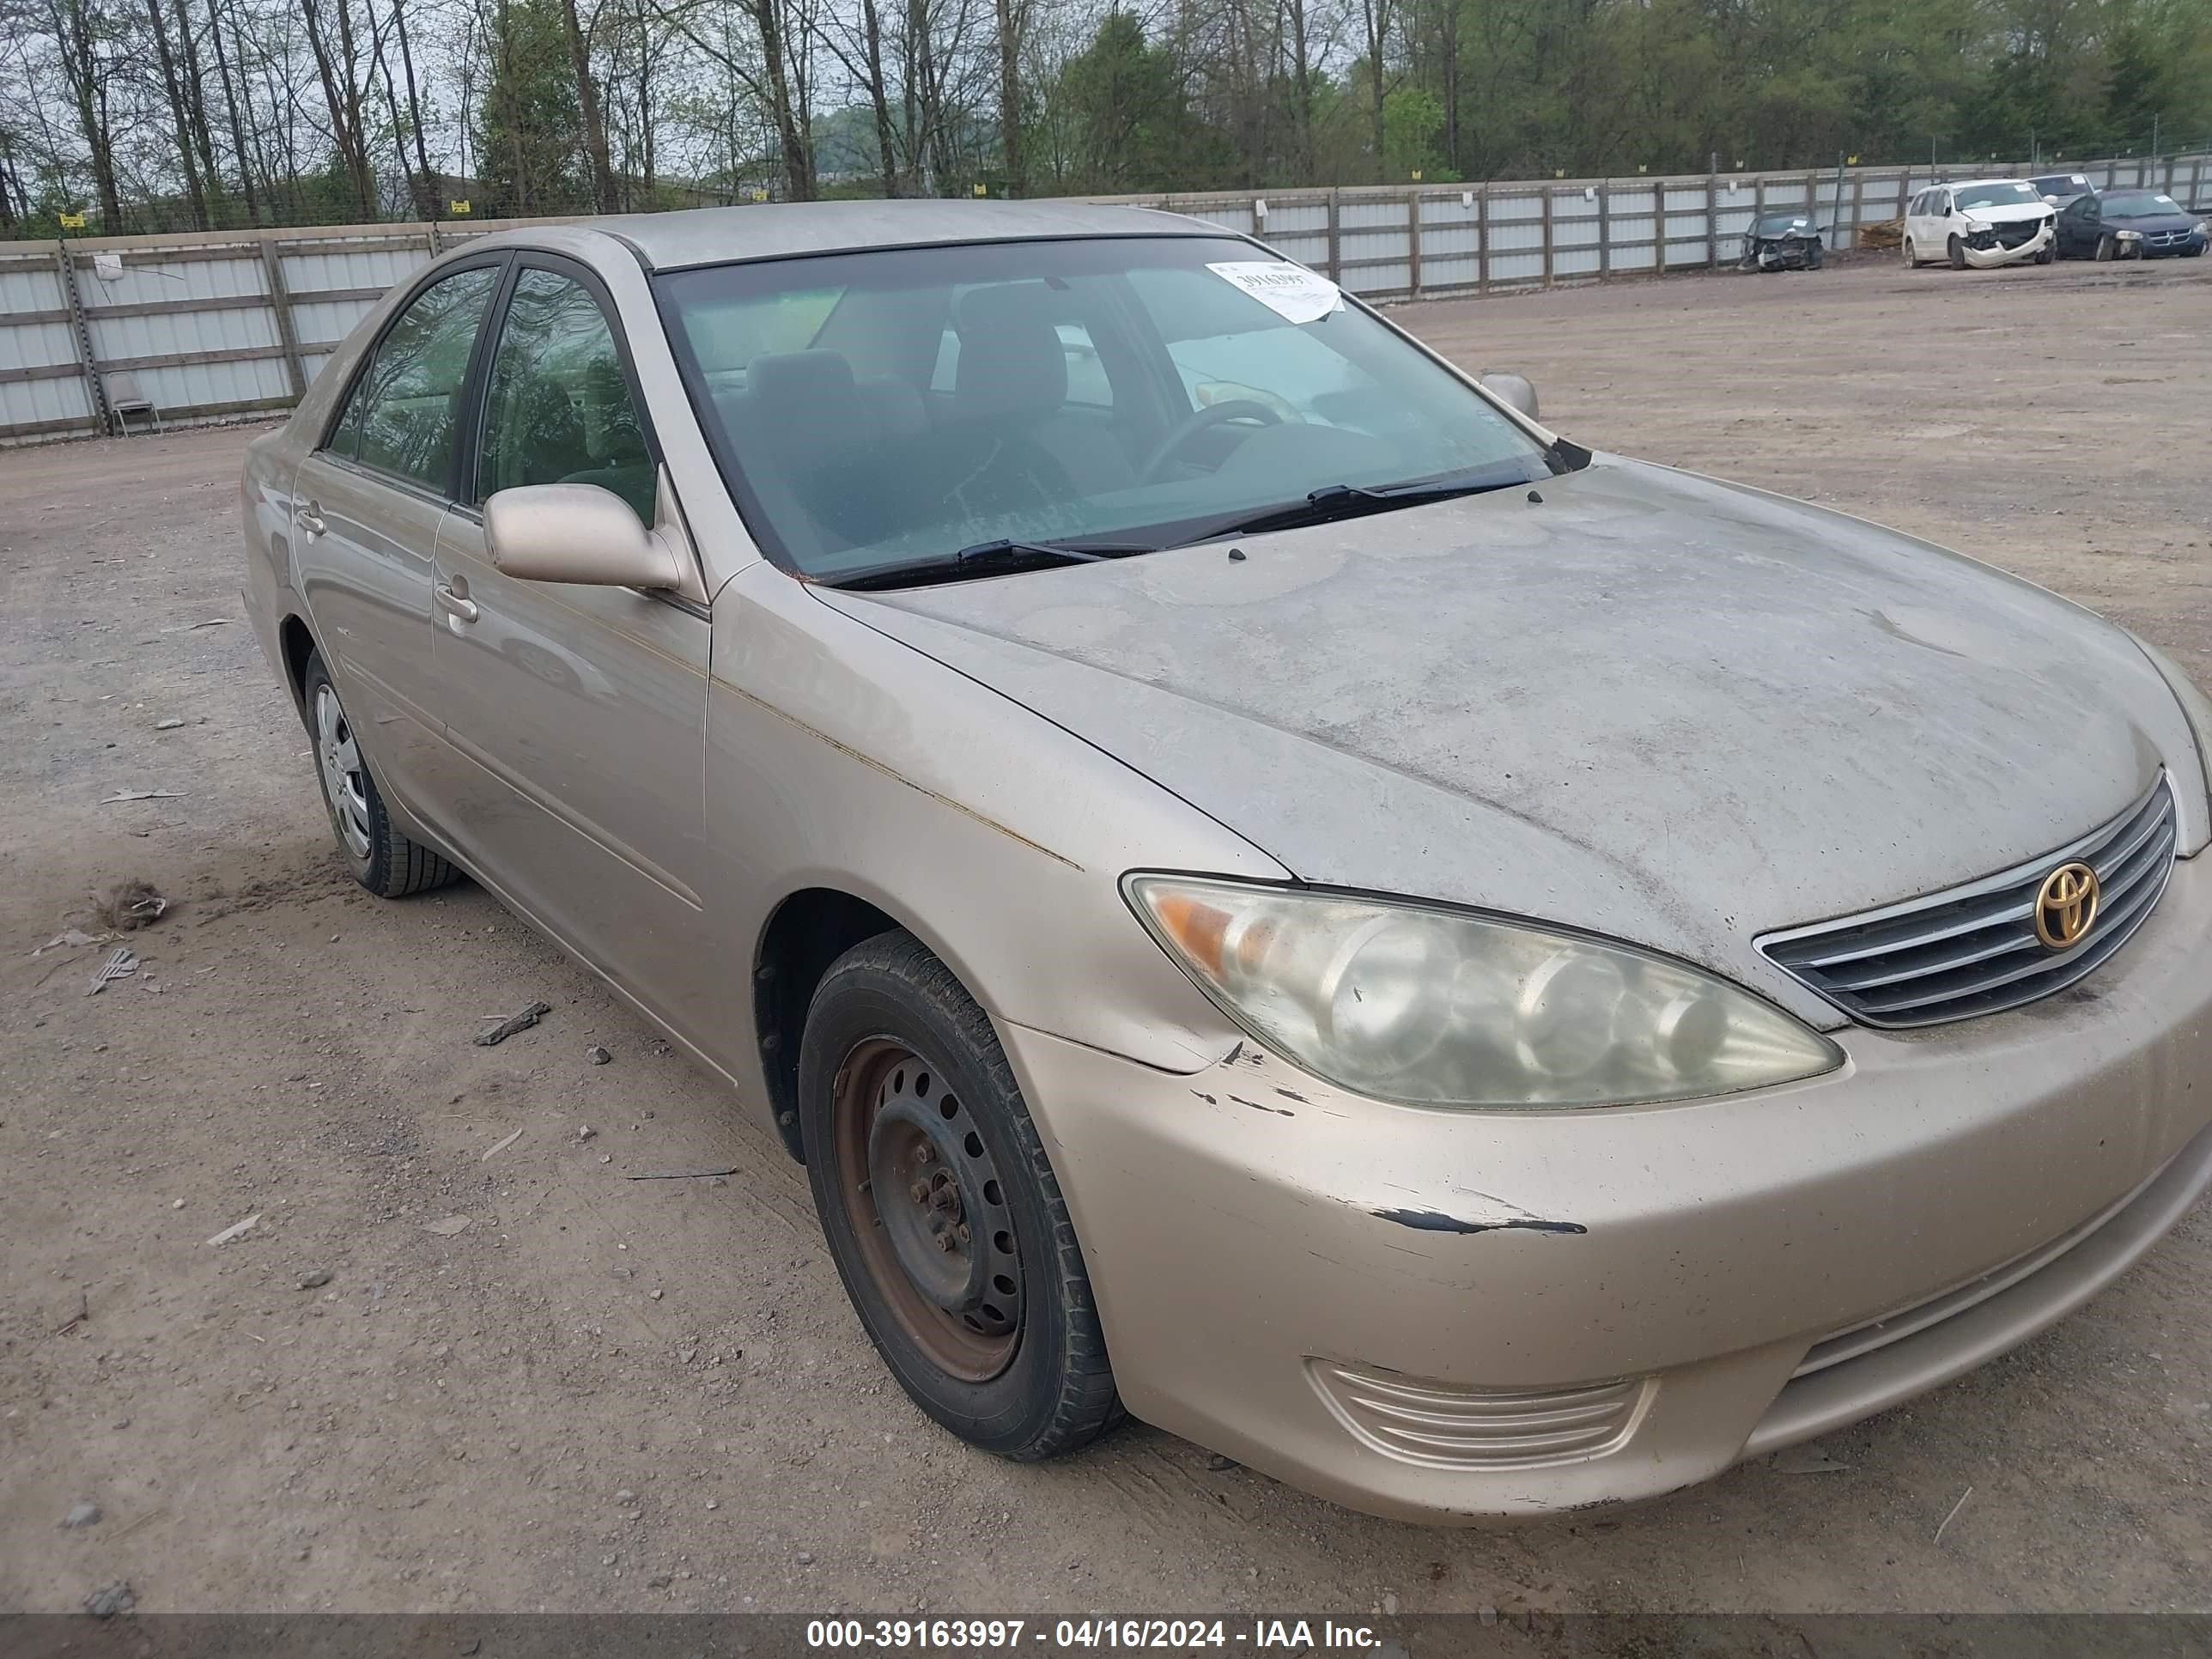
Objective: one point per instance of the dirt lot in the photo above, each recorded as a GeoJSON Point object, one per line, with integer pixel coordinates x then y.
{"type": "Point", "coordinates": [614, 1395]}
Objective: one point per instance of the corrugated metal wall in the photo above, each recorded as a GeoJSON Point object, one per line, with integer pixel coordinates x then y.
{"type": "Point", "coordinates": [218, 326]}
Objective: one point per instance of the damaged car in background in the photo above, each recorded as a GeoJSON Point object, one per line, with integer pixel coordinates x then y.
{"type": "Point", "coordinates": [1981, 225]}
{"type": "Point", "coordinates": [1782, 241]}
{"type": "Point", "coordinates": [1270, 891]}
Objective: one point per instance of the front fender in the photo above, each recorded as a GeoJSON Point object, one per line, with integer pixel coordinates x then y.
{"type": "Point", "coordinates": [837, 757]}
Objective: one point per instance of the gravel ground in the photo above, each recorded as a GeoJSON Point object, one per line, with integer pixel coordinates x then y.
{"type": "Point", "coordinates": [599, 1394]}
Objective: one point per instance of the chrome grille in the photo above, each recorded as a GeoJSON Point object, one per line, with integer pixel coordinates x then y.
{"type": "Point", "coordinates": [1422, 1421]}
{"type": "Point", "coordinates": [1974, 950]}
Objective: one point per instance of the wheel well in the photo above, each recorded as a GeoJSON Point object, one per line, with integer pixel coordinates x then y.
{"type": "Point", "coordinates": [299, 645]}
{"type": "Point", "coordinates": [808, 930]}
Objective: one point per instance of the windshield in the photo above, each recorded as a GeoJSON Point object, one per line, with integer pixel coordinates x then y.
{"type": "Point", "coordinates": [2136, 203]}
{"type": "Point", "coordinates": [1778, 224]}
{"type": "Point", "coordinates": [877, 408]}
{"type": "Point", "coordinates": [2062, 184]}
{"type": "Point", "coordinates": [2009, 193]}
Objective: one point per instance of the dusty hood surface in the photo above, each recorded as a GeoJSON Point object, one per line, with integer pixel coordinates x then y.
{"type": "Point", "coordinates": [1652, 705]}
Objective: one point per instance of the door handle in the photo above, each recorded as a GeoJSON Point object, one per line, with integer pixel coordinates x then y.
{"type": "Point", "coordinates": [456, 604]}
{"type": "Point", "coordinates": [310, 518]}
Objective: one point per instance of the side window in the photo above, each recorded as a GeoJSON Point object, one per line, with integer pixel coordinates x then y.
{"type": "Point", "coordinates": [346, 440]}
{"type": "Point", "coordinates": [557, 408]}
{"type": "Point", "coordinates": [402, 416]}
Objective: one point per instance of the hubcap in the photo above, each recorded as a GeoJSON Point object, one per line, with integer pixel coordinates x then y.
{"type": "Point", "coordinates": [928, 1210]}
{"type": "Point", "coordinates": [345, 785]}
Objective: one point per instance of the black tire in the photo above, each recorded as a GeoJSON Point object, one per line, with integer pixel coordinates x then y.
{"type": "Point", "coordinates": [2195, 252]}
{"type": "Point", "coordinates": [1911, 258]}
{"type": "Point", "coordinates": [2045, 256]}
{"type": "Point", "coordinates": [1958, 252]}
{"type": "Point", "coordinates": [382, 860]}
{"type": "Point", "coordinates": [1054, 1393]}
{"type": "Point", "coordinates": [2108, 249]}
{"type": "Point", "coordinates": [1815, 256]}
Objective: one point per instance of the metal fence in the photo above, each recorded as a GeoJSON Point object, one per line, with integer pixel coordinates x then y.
{"type": "Point", "coordinates": [218, 326]}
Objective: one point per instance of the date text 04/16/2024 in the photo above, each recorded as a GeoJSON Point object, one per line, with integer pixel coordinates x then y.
{"type": "Point", "coordinates": [1071, 1634]}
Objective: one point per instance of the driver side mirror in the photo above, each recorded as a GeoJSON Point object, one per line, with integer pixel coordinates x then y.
{"type": "Point", "coordinates": [1513, 389]}
{"type": "Point", "coordinates": [573, 532]}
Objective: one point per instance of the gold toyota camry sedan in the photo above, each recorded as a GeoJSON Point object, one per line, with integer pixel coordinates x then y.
{"type": "Point", "coordinates": [1271, 891]}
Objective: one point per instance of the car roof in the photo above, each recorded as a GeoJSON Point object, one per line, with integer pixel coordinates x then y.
{"type": "Point", "coordinates": [1976, 184]}
{"type": "Point", "coordinates": [705, 236]}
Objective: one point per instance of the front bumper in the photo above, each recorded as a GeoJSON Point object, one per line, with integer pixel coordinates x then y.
{"type": "Point", "coordinates": [1989, 258]}
{"type": "Point", "coordinates": [1455, 1317]}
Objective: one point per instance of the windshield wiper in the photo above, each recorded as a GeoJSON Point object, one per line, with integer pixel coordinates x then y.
{"type": "Point", "coordinates": [996, 558]}
{"type": "Point", "coordinates": [1343, 500]}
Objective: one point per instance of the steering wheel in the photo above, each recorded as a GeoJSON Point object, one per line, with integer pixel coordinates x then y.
{"type": "Point", "coordinates": [1204, 420]}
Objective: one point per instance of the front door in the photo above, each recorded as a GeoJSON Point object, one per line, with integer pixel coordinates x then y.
{"type": "Point", "coordinates": [367, 504]}
{"type": "Point", "coordinates": [575, 716]}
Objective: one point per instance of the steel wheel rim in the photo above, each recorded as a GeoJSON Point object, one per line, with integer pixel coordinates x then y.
{"type": "Point", "coordinates": [878, 1135]}
{"type": "Point", "coordinates": [345, 782]}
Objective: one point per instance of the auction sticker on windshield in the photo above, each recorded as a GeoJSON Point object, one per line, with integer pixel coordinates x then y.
{"type": "Point", "coordinates": [1293, 290]}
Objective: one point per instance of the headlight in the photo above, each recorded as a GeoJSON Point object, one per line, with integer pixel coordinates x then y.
{"type": "Point", "coordinates": [2194, 703]}
{"type": "Point", "coordinates": [1438, 1007]}
{"type": "Point", "coordinates": [2127, 236]}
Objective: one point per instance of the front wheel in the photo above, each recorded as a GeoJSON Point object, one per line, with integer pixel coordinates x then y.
{"type": "Point", "coordinates": [1813, 257]}
{"type": "Point", "coordinates": [1911, 259]}
{"type": "Point", "coordinates": [2045, 257]}
{"type": "Point", "coordinates": [1956, 250]}
{"type": "Point", "coordinates": [2107, 249]}
{"type": "Point", "coordinates": [382, 860]}
{"type": "Point", "coordinates": [941, 1210]}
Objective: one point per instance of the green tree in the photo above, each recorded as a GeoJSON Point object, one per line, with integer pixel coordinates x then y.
{"type": "Point", "coordinates": [529, 136]}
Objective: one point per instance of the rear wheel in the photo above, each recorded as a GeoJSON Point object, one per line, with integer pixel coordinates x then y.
{"type": "Point", "coordinates": [1958, 252]}
{"type": "Point", "coordinates": [941, 1210]}
{"type": "Point", "coordinates": [382, 860]}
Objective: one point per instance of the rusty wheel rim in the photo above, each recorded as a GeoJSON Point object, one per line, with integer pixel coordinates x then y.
{"type": "Point", "coordinates": [928, 1209]}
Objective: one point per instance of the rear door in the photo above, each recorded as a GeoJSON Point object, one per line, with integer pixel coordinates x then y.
{"type": "Point", "coordinates": [1916, 223]}
{"type": "Point", "coordinates": [575, 716]}
{"type": "Point", "coordinates": [367, 504]}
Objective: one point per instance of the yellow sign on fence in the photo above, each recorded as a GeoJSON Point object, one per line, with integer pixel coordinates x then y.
{"type": "Point", "coordinates": [456, 206]}
{"type": "Point", "coordinates": [72, 221]}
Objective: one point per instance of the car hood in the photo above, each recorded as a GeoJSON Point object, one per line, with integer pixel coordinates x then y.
{"type": "Point", "coordinates": [2009, 213]}
{"type": "Point", "coordinates": [1652, 705]}
{"type": "Point", "coordinates": [2156, 220]}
